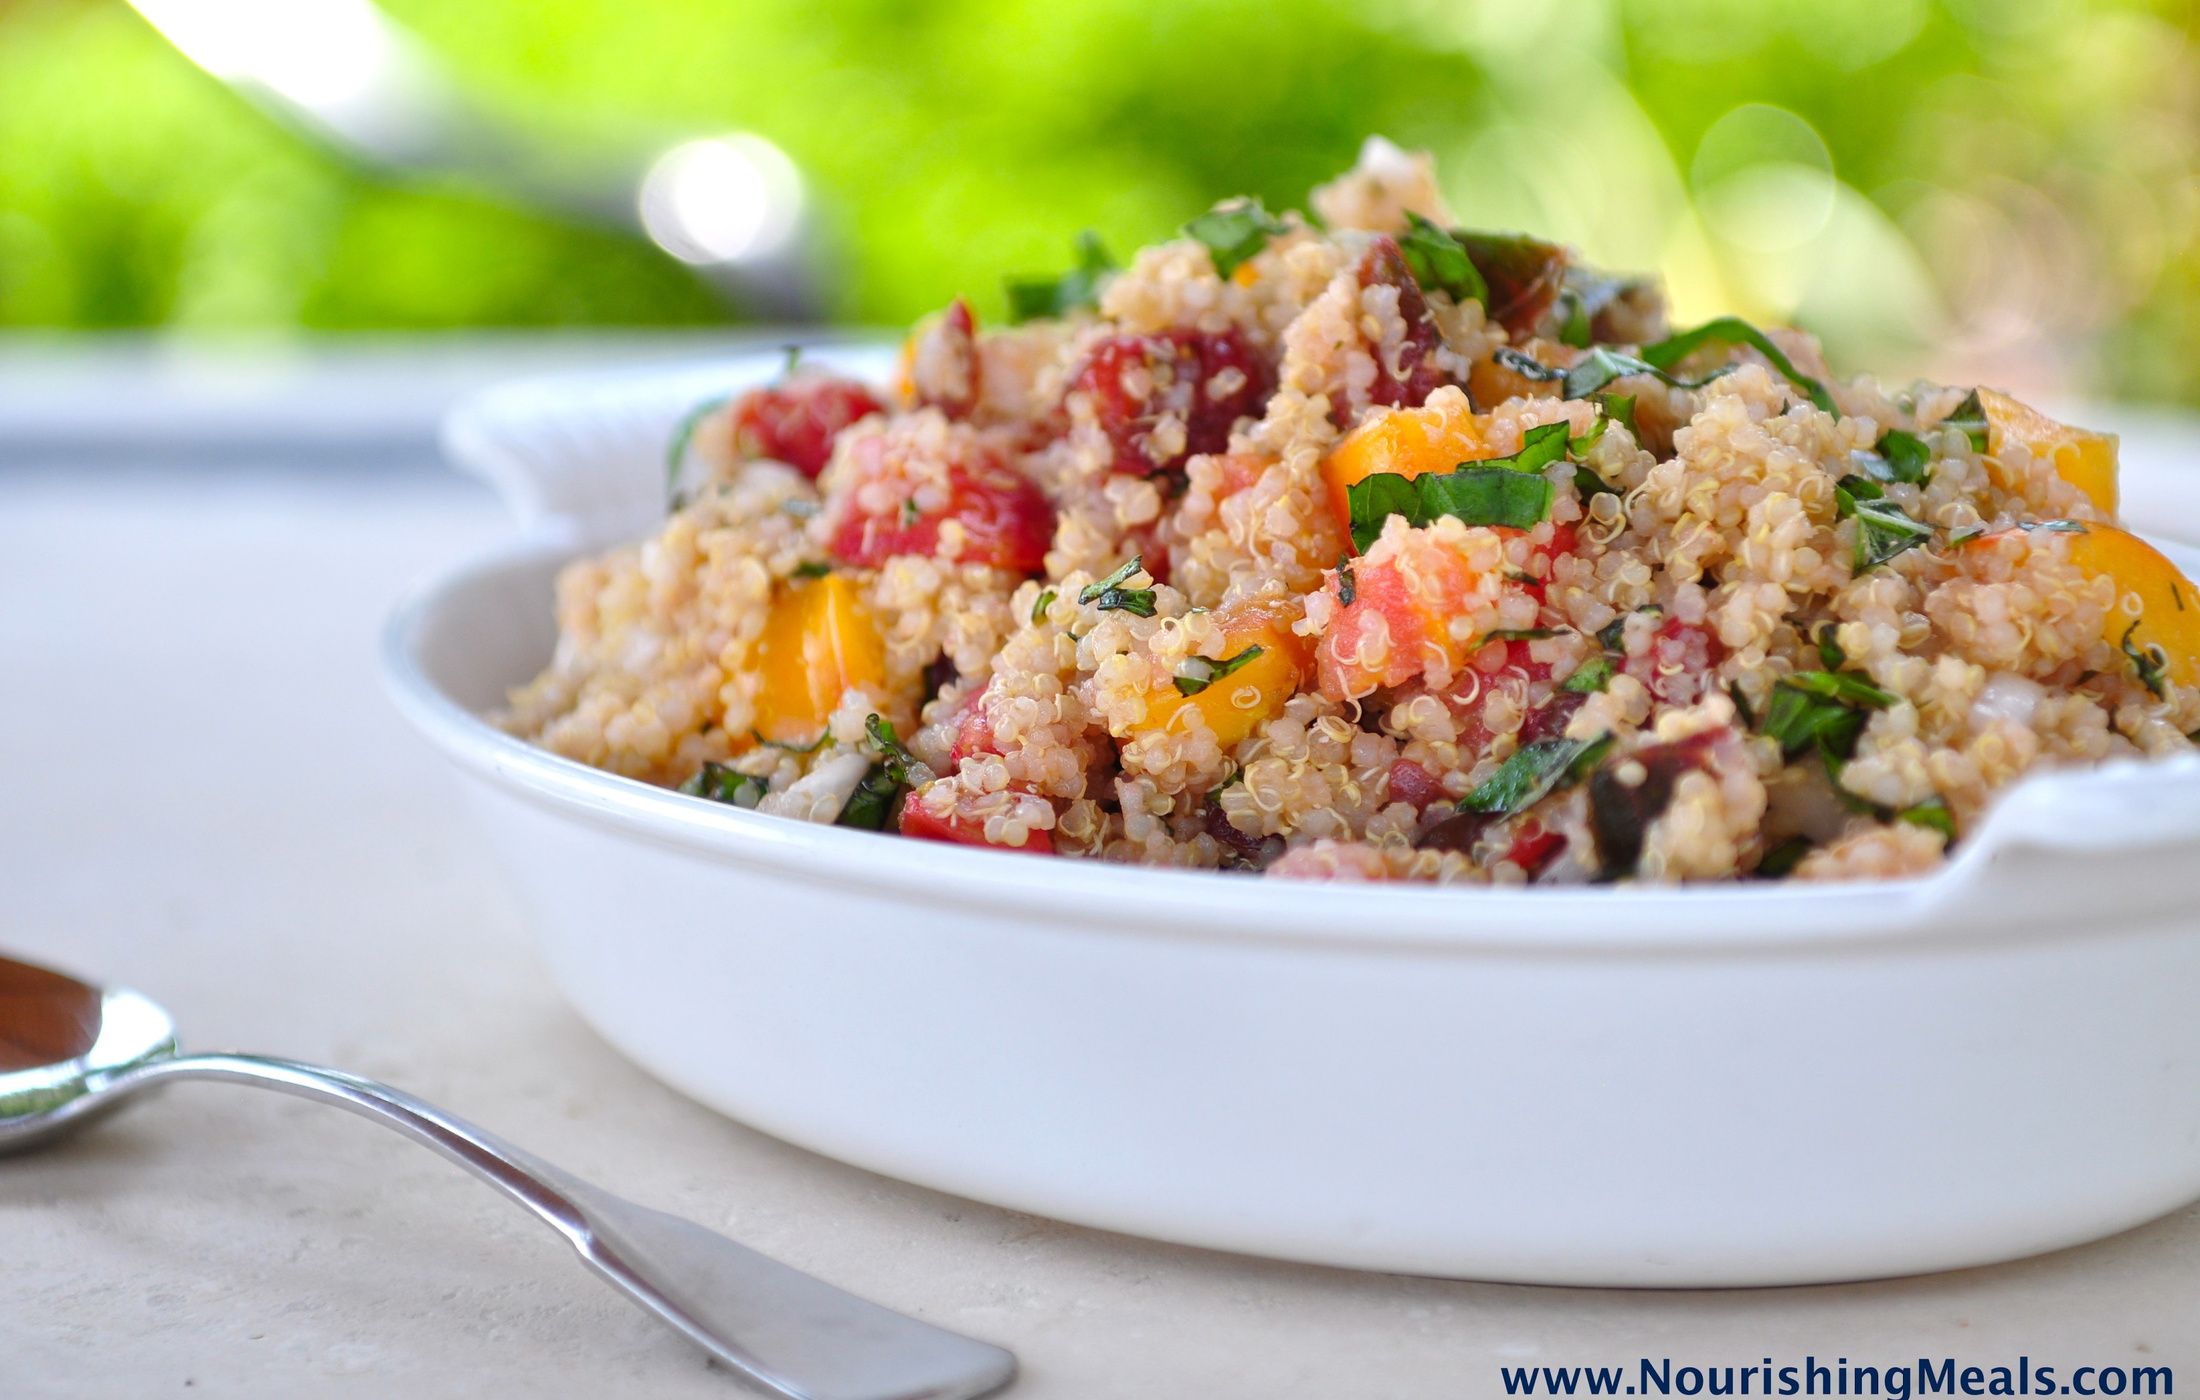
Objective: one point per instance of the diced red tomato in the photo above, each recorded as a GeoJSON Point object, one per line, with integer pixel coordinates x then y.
{"type": "Point", "coordinates": [1549, 719]}
{"type": "Point", "coordinates": [973, 730]}
{"type": "Point", "coordinates": [1004, 520]}
{"type": "Point", "coordinates": [1204, 381]}
{"type": "Point", "coordinates": [1399, 621]}
{"type": "Point", "coordinates": [1534, 846]}
{"type": "Point", "coordinates": [1414, 785]}
{"type": "Point", "coordinates": [963, 831]}
{"type": "Point", "coordinates": [1414, 374]}
{"type": "Point", "coordinates": [796, 421]}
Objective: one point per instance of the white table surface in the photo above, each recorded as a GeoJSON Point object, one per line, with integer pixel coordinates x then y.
{"type": "Point", "coordinates": [203, 792]}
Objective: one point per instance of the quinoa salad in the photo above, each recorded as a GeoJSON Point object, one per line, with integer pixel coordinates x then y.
{"type": "Point", "coordinates": [1355, 544]}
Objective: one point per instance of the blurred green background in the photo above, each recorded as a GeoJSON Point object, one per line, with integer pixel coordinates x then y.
{"type": "Point", "coordinates": [1993, 189]}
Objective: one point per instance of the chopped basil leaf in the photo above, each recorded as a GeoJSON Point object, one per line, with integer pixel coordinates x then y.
{"type": "Point", "coordinates": [1573, 324]}
{"type": "Point", "coordinates": [1732, 330]}
{"type": "Point", "coordinates": [1075, 290]}
{"type": "Point", "coordinates": [1781, 860]}
{"type": "Point", "coordinates": [1932, 812]}
{"type": "Point", "coordinates": [813, 746]}
{"type": "Point", "coordinates": [1970, 418]}
{"type": "Point", "coordinates": [1829, 646]}
{"type": "Point", "coordinates": [1040, 604]}
{"type": "Point", "coordinates": [1137, 601]}
{"type": "Point", "coordinates": [1906, 455]}
{"type": "Point", "coordinates": [1591, 677]}
{"type": "Point", "coordinates": [1439, 262]}
{"type": "Point", "coordinates": [1539, 447]}
{"type": "Point", "coordinates": [1526, 366]}
{"type": "Point", "coordinates": [1743, 710]}
{"type": "Point", "coordinates": [810, 568]}
{"type": "Point", "coordinates": [1519, 634]}
{"type": "Point", "coordinates": [1578, 445]}
{"type": "Point", "coordinates": [1533, 773]}
{"type": "Point", "coordinates": [872, 802]}
{"type": "Point", "coordinates": [676, 450]}
{"type": "Point", "coordinates": [1508, 492]}
{"type": "Point", "coordinates": [1123, 574]}
{"type": "Point", "coordinates": [1620, 408]}
{"type": "Point", "coordinates": [911, 512]}
{"type": "Point", "coordinates": [1587, 483]}
{"type": "Point", "coordinates": [1883, 531]}
{"type": "Point", "coordinates": [1844, 686]}
{"type": "Point", "coordinates": [1234, 232]}
{"type": "Point", "coordinates": [2150, 661]}
{"type": "Point", "coordinates": [896, 759]}
{"type": "Point", "coordinates": [1822, 709]}
{"type": "Point", "coordinates": [1348, 587]}
{"type": "Point", "coordinates": [1612, 633]}
{"type": "Point", "coordinates": [720, 783]}
{"type": "Point", "coordinates": [1966, 536]}
{"type": "Point", "coordinates": [1199, 672]}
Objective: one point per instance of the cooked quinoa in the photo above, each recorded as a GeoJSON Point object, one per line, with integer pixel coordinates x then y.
{"type": "Point", "coordinates": [1355, 546]}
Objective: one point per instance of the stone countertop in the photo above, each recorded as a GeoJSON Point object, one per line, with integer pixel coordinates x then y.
{"type": "Point", "coordinates": [206, 795]}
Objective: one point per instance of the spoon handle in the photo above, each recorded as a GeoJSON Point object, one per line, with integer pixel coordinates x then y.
{"type": "Point", "coordinates": [792, 1334]}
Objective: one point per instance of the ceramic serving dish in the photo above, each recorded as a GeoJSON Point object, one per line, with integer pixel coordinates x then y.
{"type": "Point", "coordinates": [1747, 1084]}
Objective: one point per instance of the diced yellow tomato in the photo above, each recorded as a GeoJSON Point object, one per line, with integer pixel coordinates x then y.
{"type": "Point", "coordinates": [818, 643]}
{"type": "Point", "coordinates": [1407, 441]}
{"type": "Point", "coordinates": [1236, 704]}
{"type": "Point", "coordinates": [2084, 459]}
{"type": "Point", "coordinates": [2169, 605]}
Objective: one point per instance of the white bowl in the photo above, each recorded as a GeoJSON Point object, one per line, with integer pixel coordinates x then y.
{"type": "Point", "coordinates": [1745, 1084]}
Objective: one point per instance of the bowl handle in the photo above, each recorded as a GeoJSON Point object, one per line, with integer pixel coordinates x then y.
{"type": "Point", "coordinates": [2053, 842]}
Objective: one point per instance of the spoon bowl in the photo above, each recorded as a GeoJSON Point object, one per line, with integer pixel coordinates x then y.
{"type": "Point", "coordinates": [71, 1051]}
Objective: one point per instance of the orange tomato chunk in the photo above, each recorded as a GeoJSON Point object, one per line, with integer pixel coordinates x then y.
{"type": "Point", "coordinates": [1233, 706]}
{"type": "Point", "coordinates": [2086, 460]}
{"type": "Point", "coordinates": [1408, 441]}
{"type": "Point", "coordinates": [818, 643]}
{"type": "Point", "coordinates": [2167, 605]}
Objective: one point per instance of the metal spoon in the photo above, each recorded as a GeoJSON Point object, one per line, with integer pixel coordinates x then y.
{"type": "Point", "coordinates": [70, 1051]}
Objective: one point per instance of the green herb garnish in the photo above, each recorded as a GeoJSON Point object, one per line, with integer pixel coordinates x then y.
{"type": "Point", "coordinates": [1590, 678]}
{"type": "Point", "coordinates": [1519, 634]}
{"type": "Point", "coordinates": [1932, 812]}
{"type": "Point", "coordinates": [872, 802]}
{"type": "Point", "coordinates": [897, 759]}
{"type": "Point", "coordinates": [1110, 595]}
{"type": "Point", "coordinates": [1732, 330]}
{"type": "Point", "coordinates": [1533, 773]}
{"type": "Point", "coordinates": [1199, 672]}
{"type": "Point", "coordinates": [1781, 860]}
{"type": "Point", "coordinates": [1884, 531]}
{"type": "Point", "coordinates": [720, 783]}
{"type": "Point", "coordinates": [1899, 456]}
{"type": "Point", "coordinates": [810, 568]}
{"type": "Point", "coordinates": [1475, 495]}
{"type": "Point", "coordinates": [1040, 604]}
{"type": "Point", "coordinates": [1970, 418]}
{"type": "Point", "coordinates": [2150, 661]}
{"type": "Point", "coordinates": [1234, 232]}
{"type": "Point", "coordinates": [1078, 289]}
{"type": "Point", "coordinates": [1829, 646]}
{"type": "Point", "coordinates": [1822, 709]}
{"type": "Point", "coordinates": [1743, 710]}
{"type": "Point", "coordinates": [1439, 262]}
{"type": "Point", "coordinates": [1348, 587]}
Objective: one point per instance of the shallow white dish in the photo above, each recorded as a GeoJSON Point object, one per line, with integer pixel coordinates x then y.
{"type": "Point", "coordinates": [1751, 1084]}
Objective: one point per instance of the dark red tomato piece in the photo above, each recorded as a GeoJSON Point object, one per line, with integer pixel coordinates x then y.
{"type": "Point", "coordinates": [1549, 719]}
{"type": "Point", "coordinates": [973, 731]}
{"type": "Point", "coordinates": [1414, 785]}
{"type": "Point", "coordinates": [796, 421]}
{"type": "Point", "coordinates": [1003, 519]}
{"type": "Point", "coordinates": [962, 831]}
{"type": "Point", "coordinates": [1414, 374]}
{"type": "Point", "coordinates": [943, 363]}
{"type": "Point", "coordinates": [1204, 381]}
{"type": "Point", "coordinates": [1534, 846]}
